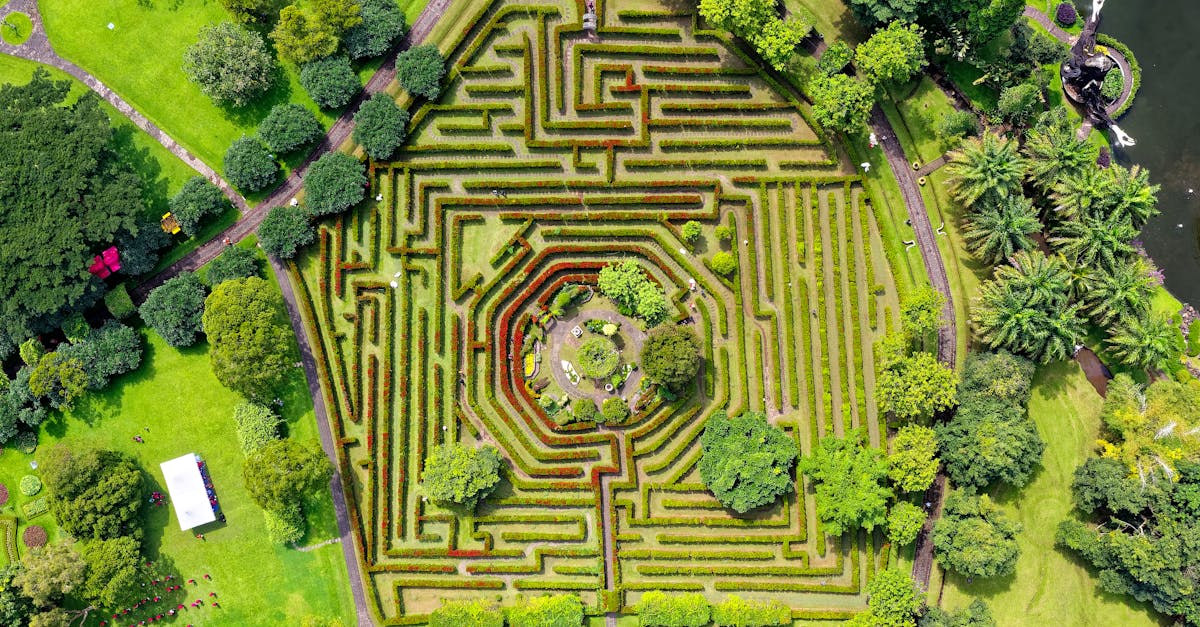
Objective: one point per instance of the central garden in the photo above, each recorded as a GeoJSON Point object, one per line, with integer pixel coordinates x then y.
{"type": "Point", "coordinates": [465, 305]}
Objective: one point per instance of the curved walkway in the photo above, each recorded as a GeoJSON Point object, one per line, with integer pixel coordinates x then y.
{"type": "Point", "coordinates": [561, 334]}
{"type": "Point", "coordinates": [1126, 70]}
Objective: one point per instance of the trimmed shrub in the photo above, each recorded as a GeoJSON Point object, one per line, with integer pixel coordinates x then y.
{"type": "Point", "coordinates": [119, 303]}
{"type": "Point", "coordinates": [248, 166]}
{"type": "Point", "coordinates": [598, 357]}
{"type": "Point", "coordinates": [560, 610]}
{"type": "Point", "coordinates": [334, 183]}
{"type": "Point", "coordinates": [614, 410]}
{"type": "Point", "coordinates": [234, 262]}
{"type": "Point", "coordinates": [382, 25]}
{"type": "Point", "coordinates": [1065, 14]}
{"type": "Point", "coordinates": [725, 233]}
{"type": "Point", "coordinates": [174, 309]}
{"type": "Point", "coordinates": [285, 231]}
{"type": "Point", "coordinates": [197, 201]}
{"type": "Point", "coordinates": [477, 613]}
{"type": "Point", "coordinates": [379, 126]}
{"type": "Point", "coordinates": [30, 485]}
{"type": "Point", "coordinates": [34, 536]}
{"type": "Point", "coordinates": [658, 609]}
{"type": "Point", "coordinates": [691, 231]}
{"type": "Point", "coordinates": [1113, 85]}
{"type": "Point", "coordinates": [330, 82]}
{"type": "Point", "coordinates": [289, 126]}
{"type": "Point", "coordinates": [257, 426]}
{"type": "Point", "coordinates": [420, 71]}
{"type": "Point", "coordinates": [584, 409]}
{"type": "Point", "coordinates": [737, 612]}
{"type": "Point", "coordinates": [285, 525]}
{"type": "Point", "coordinates": [724, 263]}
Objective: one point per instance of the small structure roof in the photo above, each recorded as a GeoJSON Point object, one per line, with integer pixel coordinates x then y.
{"type": "Point", "coordinates": [188, 495]}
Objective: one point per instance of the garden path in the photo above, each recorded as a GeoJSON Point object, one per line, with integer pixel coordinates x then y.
{"type": "Point", "coordinates": [560, 334]}
{"type": "Point", "coordinates": [1126, 70]}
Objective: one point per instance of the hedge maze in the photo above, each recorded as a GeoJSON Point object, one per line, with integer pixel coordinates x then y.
{"type": "Point", "coordinates": [553, 153]}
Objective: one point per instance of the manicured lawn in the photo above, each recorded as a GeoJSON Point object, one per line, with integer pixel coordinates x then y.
{"type": "Point", "coordinates": [1051, 587]}
{"type": "Point", "coordinates": [834, 20]}
{"type": "Point", "coordinates": [175, 394]}
{"type": "Point", "coordinates": [16, 28]}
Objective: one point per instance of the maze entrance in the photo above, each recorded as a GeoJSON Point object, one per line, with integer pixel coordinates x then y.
{"type": "Point", "coordinates": [552, 153]}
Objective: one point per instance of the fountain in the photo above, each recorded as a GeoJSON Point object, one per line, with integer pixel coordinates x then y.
{"type": "Point", "coordinates": [1083, 75]}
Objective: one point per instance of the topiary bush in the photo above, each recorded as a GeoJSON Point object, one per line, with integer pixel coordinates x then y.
{"type": "Point", "coordinates": [119, 303]}
{"type": "Point", "coordinates": [174, 309]}
{"type": "Point", "coordinates": [334, 183]}
{"type": "Point", "coordinates": [289, 126]}
{"type": "Point", "coordinates": [379, 126]}
{"type": "Point", "coordinates": [560, 610]}
{"type": "Point", "coordinates": [30, 485]}
{"type": "Point", "coordinates": [598, 357]}
{"type": "Point", "coordinates": [248, 166]}
{"type": "Point", "coordinates": [691, 231]}
{"type": "Point", "coordinates": [330, 82]}
{"type": "Point", "coordinates": [460, 475]}
{"type": "Point", "coordinates": [1113, 85]}
{"type": "Point", "coordinates": [420, 71]}
{"type": "Point", "coordinates": [285, 231]}
{"type": "Point", "coordinates": [1065, 14]}
{"type": "Point", "coordinates": [197, 201]}
{"type": "Point", "coordinates": [725, 233]}
{"type": "Point", "coordinates": [737, 612]}
{"type": "Point", "coordinates": [724, 263]}
{"type": "Point", "coordinates": [584, 409]}
{"type": "Point", "coordinates": [614, 410]}
{"type": "Point", "coordinates": [34, 536]}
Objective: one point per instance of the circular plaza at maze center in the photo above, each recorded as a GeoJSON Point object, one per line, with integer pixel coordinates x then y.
{"type": "Point", "coordinates": [550, 155]}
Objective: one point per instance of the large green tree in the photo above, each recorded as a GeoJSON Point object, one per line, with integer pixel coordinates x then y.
{"type": "Point", "coordinates": [1027, 308]}
{"type": "Point", "coordinates": [65, 195]}
{"type": "Point", "coordinates": [849, 478]}
{"type": "Point", "coordinates": [334, 183]}
{"type": "Point", "coordinates": [745, 461]}
{"type": "Point", "coordinates": [114, 571]}
{"type": "Point", "coordinates": [282, 472]}
{"type": "Point", "coordinates": [1121, 292]}
{"type": "Point", "coordinates": [330, 81]}
{"type": "Point", "coordinates": [893, 54]}
{"type": "Point", "coordinates": [977, 614]}
{"type": "Point", "coordinates": [235, 262]}
{"type": "Point", "coordinates": [460, 475]}
{"type": "Point", "coordinates": [306, 32]}
{"type": "Point", "coordinates": [632, 290]}
{"type": "Point", "coordinates": [382, 25]}
{"type": "Point", "coordinates": [904, 523]}
{"type": "Point", "coordinates": [230, 64]}
{"type": "Point", "coordinates": [757, 21]}
{"type": "Point", "coordinates": [94, 494]}
{"type": "Point", "coordinates": [50, 573]}
{"type": "Point", "coordinates": [894, 601]}
{"type": "Point", "coordinates": [260, 11]}
{"type": "Point", "coordinates": [916, 387]}
{"type": "Point", "coordinates": [175, 308]}
{"type": "Point", "coordinates": [989, 440]}
{"type": "Point", "coordinates": [1150, 429]}
{"type": "Point", "coordinates": [975, 538]}
{"type": "Point", "coordinates": [420, 71]}
{"type": "Point", "coordinates": [659, 609]}
{"type": "Point", "coordinates": [289, 126]}
{"type": "Point", "coordinates": [841, 103]}
{"type": "Point", "coordinates": [58, 378]}
{"type": "Point", "coordinates": [995, 231]}
{"type": "Point", "coordinates": [15, 607]}
{"type": "Point", "coordinates": [285, 231]}
{"type": "Point", "coordinates": [248, 166]}
{"type": "Point", "coordinates": [1095, 242]}
{"type": "Point", "coordinates": [250, 336]}
{"type": "Point", "coordinates": [671, 356]}
{"type": "Point", "coordinates": [1054, 152]}
{"type": "Point", "coordinates": [380, 126]}
{"type": "Point", "coordinates": [197, 201]}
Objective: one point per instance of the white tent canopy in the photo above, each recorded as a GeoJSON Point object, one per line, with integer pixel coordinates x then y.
{"type": "Point", "coordinates": [188, 496]}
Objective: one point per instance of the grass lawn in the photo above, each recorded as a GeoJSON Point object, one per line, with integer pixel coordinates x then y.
{"type": "Point", "coordinates": [833, 20]}
{"type": "Point", "coordinates": [1050, 586]}
{"type": "Point", "coordinates": [16, 28]}
{"type": "Point", "coordinates": [175, 394]}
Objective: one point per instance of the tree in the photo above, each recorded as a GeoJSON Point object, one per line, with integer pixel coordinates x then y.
{"type": "Point", "coordinates": [658, 609]}
{"type": "Point", "coordinates": [757, 22]}
{"type": "Point", "coordinates": [15, 607]}
{"type": "Point", "coordinates": [614, 410]}
{"type": "Point", "coordinates": [380, 126]}
{"type": "Point", "coordinates": [904, 523]}
{"type": "Point", "coordinates": [841, 104]}
{"type": "Point", "coordinates": [261, 11]}
{"type": "Point", "coordinates": [746, 462]}
{"type": "Point", "coordinates": [31, 351]}
{"type": "Point", "coordinates": [724, 263]}
{"type": "Point", "coordinates": [776, 41]}
{"type": "Point", "coordinates": [989, 167]}
{"type": "Point", "coordinates": [459, 475]}
{"type": "Point", "coordinates": [691, 231]}
{"type": "Point", "coordinates": [308, 33]}
{"type": "Point", "coordinates": [1054, 152]}
{"type": "Point", "coordinates": [1026, 308]}
{"type": "Point", "coordinates": [286, 524]}
{"type": "Point", "coordinates": [257, 426]}
{"type": "Point", "coordinates": [916, 387]}
{"type": "Point", "coordinates": [995, 231]}
{"type": "Point", "coordinates": [873, 13]}
{"type": "Point", "coordinates": [18, 405]}
{"type": "Point", "coordinates": [893, 54]}
{"type": "Point", "coordinates": [977, 614]}
{"type": "Point", "coordinates": [279, 474]}
{"type": "Point", "coordinates": [1094, 242]}
{"type": "Point", "coordinates": [329, 81]}
{"type": "Point", "coordinates": [894, 601]}
{"type": "Point", "coordinates": [632, 291]}
{"type": "Point", "coordinates": [382, 26]}
{"type": "Point", "coordinates": [737, 612]}
{"type": "Point", "coordinates": [1121, 292]}
{"type": "Point", "coordinates": [334, 183]}
{"type": "Point", "coordinates": [196, 201]}
{"type": "Point", "coordinates": [289, 126]}
{"type": "Point", "coordinates": [559, 610]}
{"type": "Point", "coordinates": [250, 336]}
{"type": "Point", "coordinates": [1103, 484]}
{"type": "Point", "coordinates": [1152, 342]}
{"type": "Point", "coordinates": [94, 494]}
{"type": "Point", "coordinates": [989, 440]}
{"type": "Point", "coordinates": [671, 356]}
{"type": "Point", "coordinates": [1151, 430]}
{"type": "Point", "coordinates": [1018, 104]}
{"type": "Point", "coordinates": [913, 465]}
{"type": "Point", "coordinates": [64, 195]}
{"type": "Point", "coordinates": [584, 409]}
{"type": "Point", "coordinates": [51, 572]}
{"type": "Point", "coordinates": [420, 71]}
{"type": "Point", "coordinates": [835, 58]}
{"type": "Point", "coordinates": [921, 311]}
{"type": "Point", "coordinates": [1133, 195]}
{"type": "Point", "coordinates": [230, 64]}
{"type": "Point", "coordinates": [106, 352]}
{"type": "Point", "coordinates": [58, 378]}
{"type": "Point", "coordinates": [1000, 375]}
{"type": "Point", "coordinates": [114, 572]}
{"type": "Point", "coordinates": [235, 262]}
{"type": "Point", "coordinates": [849, 484]}
{"type": "Point", "coordinates": [248, 166]}
{"type": "Point", "coordinates": [476, 613]}
{"type": "Point", "coordinates": [285, 231]}
{"type": "Point", "coordinates": [175, 308]}
{"type": "Point", "coordinates": [975, 538]}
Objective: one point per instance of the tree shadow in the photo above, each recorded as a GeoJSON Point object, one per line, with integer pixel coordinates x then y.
{"type": "Point", "coordinates": [154, 184]}
{"type": "Point", "coordinates": [253, 112]}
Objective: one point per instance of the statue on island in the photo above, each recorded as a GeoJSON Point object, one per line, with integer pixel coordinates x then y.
{"type": "Point", "coordinates": [1083, 75]}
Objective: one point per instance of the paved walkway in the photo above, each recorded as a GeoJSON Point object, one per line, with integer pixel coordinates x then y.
{"type": "Point", "coordinates": [1065, 37]}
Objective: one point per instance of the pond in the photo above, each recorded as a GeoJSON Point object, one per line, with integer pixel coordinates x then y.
{"type": "Point", "coordinates": [1165, 121]}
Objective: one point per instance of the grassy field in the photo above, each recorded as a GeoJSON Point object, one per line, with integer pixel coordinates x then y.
{"type": "Point", "coordinates": [1051, 587]}
{"type": "Point", "coordinates": [176, 396]}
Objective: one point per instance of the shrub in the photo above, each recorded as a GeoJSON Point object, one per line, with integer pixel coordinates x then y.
{"type": "Point", "coordinates": [382, 25]}
{"type": "Point", "coordinates": [1018, 104]}
{"type": "Point", "coordinates": [671, 356]}
{"type": "Point", "coordinates": [257, 426]}
{"type": "Point", "coordinates": [1065, 14]}
{"type": "Point", "coordinates": [285, 525]}
{"type": "Point", "coordinates": [420, 71]}
{"type": "Point", "coordinates": [380, 125]}
{"type": "Point", "coordinates": [560, 610]}
{"type": "Point", "coordinates": [118, 302]}
{"type": "Point", "coordinates": [34, 536]}
{"type": "Point", "coordinates": [746, 462]}
{"type": "Point", "coordinates": [598, 357]}
{"type": "Point", "coordinates": [248, 166]}
{"type": "Point", "coordinates": [460, 475]}
{"type": "Point", "coordinates": [614, 410]}
{"type": "Point", "coordinates": [58, 378]}
{"type": "Point", "coordinates": [30, 485]}
{"type": "Point", "coordinates": [584, 409]}
{"type": "Point", "coordinates": [253, 10]}
{"type": "Point", "coordinates": [836, 57]}
{"type": "Point", "coordinates": [724, 263]}
{"type": "Point", "coordinates": [197, 201]}
{"type": "Point", "coordinates": [334, 183]}
{"type": "Point", "coordinates": [31, 351]}
{"type": "Point", "coordinates": [725, 232]}
{"type": "Point", "coordinates": [957, 125]}
{"type": "Point", "coordinates": [737, 612]}
{"type": "Point", "coordinates": [330, 82]}
{"type": "Point", "coordinates": [234, 262]}
{"type": "Point", "coordinates": [252, 342]}
{"type": "Point", "coordinates": [691, 231]}
{"type": "Point", "coordinates": [975, 538]}
{"type": "Point", "coordinates": [285, 231]}
{"type": "Point", "coordinates": [632, 291]}
{"type": "Point", "coordinates": [658, 609]}
{"type": "Point", "coordinates": [1193, 340]}
{"type": "Point", "coordinates": [1113, 85]}
{"type": "Point", "coordinates": [289, 126]}
{"type": "Point", "coordinates": [76, 328]}
{"type": "Point", "coordinates": [477, 613]}
{"type": "Point", "coordinates": [230, 64]}
{"type": "Point", "coordinates": [174, 309]}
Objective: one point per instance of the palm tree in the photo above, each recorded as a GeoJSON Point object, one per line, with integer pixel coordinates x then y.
{"type": "Point", "coordinates": [1004, 319]}
{"type": "Point", "coordinates": [1064, 329]}
{"type": "Point", "coordinates": [1053, 151]}
{"type": "Point", "coordinates": [1088, 192]}
{"type": "Point", "coordinates": [1044, 282]}
{"type": "Point", "coordinates": [1095, 242]}
{"type": "Point", "coordinates": [1000, 229]}
{"type": "Point", "coordinates": [1122, 292]}
{"type": "Point", "coordinates": [989, 165]}
{"type": "Point", "coordinates": [1151, 341]}
{"type": "Point", "coordinates": [1133, 195]}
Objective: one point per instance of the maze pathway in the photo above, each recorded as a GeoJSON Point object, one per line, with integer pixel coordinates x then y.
{"type": "Point", "coordinates": [552, 153]}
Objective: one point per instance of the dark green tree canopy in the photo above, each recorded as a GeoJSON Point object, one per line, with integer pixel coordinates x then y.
{"type": "Point", "coordinates": [280, 473]}
{"type": "Point", "coordinates": [231, 64]}
{"type": "Point", "coordinates": [106, 352]}
{"type": "Point", "coordinates": [250, 335]}
{"type": "Point", "coordinates": [64, 197]}
{"type": "Point", "coordinates": [975, 538]}
{"type": "Point", "coordinates": [977, 614]}
{"type": "Point", "coordinates": [94, 494]}
{"type": "Point", "coordinates": [894, 601]}
{"type": "Point", "coordinates": [672, 355]}
{"type": "Point", "coordinates": [289, 126]}
{"type": "Point", "coordinates": [197, 201]}
{"type": "Point", "coordinates": [1103, 484]}
{"type": "Point", "coordinates": [235, 262]}
{"type": "Point", "coordinates": [460, 475]}
{"type": "Point", "coordinates": [285, 231]}
{"type": "Point", "coordinates": [334, 183]}
{"type": "Point", "coordinates": [745, 461]}
{"type": "Point", "coordinates": [382, 25]}
{"type": "Point", "coordinates": [248, 166]}
{"type": "Point", "coordinates": [849, 478]}
{"type": "Point", "coordinates": [174, 309]}
{"type": "Point", "coordinates": [261, 11]}
{"type": "Point", "coordinates": [115, 571]}
{"type": "Point", "coordinates": [330, 81]}
{"type": "Point", "coordinates": [380, 126]}
{"type": "Point", "coordinates": [420, 71]}
{"type": "Point", "coordinates": [989, 440]}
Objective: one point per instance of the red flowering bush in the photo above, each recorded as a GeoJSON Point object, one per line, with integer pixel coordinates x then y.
{"type": "Point", "coordinates": [1065, 14]}
{"type": "Point", "coordinates": [34, 536]}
